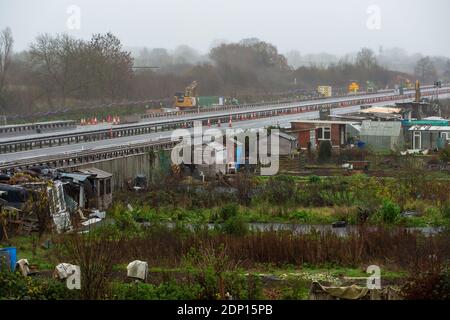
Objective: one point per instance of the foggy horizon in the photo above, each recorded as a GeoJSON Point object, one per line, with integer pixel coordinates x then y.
{"type": "Point", "coordinates": [310, 28]}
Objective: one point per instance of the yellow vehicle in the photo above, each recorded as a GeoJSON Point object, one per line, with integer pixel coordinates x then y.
{"type": "Point", "coordinates": [404, 82]}
{"type": "Point", "coordinates": [353, 87]}
{"type": "Point", "coordinates": [188, 98]}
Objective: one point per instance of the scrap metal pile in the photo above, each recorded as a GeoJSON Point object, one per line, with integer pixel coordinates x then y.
{"type": "Point", "coordinates": [42, 200]}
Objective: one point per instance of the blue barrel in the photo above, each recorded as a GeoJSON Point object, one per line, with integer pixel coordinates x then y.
{"type": "Point", "coordinates": [11, 255]}
{"type": "Point", "coordinates": [361, 144]}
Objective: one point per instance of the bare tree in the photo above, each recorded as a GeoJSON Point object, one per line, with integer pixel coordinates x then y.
{"type": "Point", "coordinates": [425, 70]}
{"type": "Point", "coordinates": [55, 61]}
{"type": "Point", "coordinates": [112, 65]}
{"type": "Point", "coordinates": [446, 73]}
{"type": "Point", "coordinates": [366, 58]}
{"type": "Point", "coordinates": [6, 45]}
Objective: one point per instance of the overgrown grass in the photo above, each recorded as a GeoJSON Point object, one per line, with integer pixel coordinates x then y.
{"type": "Point", "coordinates": [30, 248]}
{"type": "Point", "coordinates": [307, 200]}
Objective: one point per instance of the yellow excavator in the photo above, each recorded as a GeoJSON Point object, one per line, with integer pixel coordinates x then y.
{"type": "Point", "coordinates": [404, 82]}
{"type": "Point", "coordinates": [188, 98]}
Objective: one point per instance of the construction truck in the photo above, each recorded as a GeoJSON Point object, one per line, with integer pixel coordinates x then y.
{"type": "Point", "coordinates": [188, 98]}
{"type": "Point", "coordinates": [353, 87]}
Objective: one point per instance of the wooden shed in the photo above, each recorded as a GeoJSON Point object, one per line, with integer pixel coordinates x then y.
{"type": "Point", "coordinates": [102, 182]}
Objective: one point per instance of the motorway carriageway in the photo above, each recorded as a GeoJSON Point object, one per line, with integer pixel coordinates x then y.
{"type": "Point", "coordinates": [106, 127]}
{"type": "Point", "coordinates": [283, 121]}
{"type": "Point", "coordinates": [155, 136]}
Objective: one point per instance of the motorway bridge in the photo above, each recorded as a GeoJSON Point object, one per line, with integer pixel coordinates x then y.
{"type": "Point", "coordinates": [82, 145]}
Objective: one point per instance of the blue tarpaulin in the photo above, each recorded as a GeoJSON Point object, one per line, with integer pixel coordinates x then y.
{"type": "Point", "coordinates": [238, 156]}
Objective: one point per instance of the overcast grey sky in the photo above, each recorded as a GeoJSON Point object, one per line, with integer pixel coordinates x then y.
{"type": "Point", "coordinates": [334, 26]}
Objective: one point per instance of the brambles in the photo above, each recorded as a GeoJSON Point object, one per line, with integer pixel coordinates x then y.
{"type": "Point", "coordinates": [208, 266]}
{"type": "Point", "coordinates": [430, 285]}
{"type": "Point", "coordinates": [445, 154]}
{"type": "Point", "coordinates": [166, 246]}
{"type": "Point", "coordinates": [96, 255]}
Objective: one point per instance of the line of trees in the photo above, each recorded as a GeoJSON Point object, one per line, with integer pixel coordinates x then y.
{"type": "Point", "coordinates": [58, 72]}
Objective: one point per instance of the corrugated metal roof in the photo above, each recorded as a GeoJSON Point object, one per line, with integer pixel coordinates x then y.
{"type": "Point", "coordinates": [429, 128]}
{"type": "Point", "coordinates": [435, 118]}
{"type": "Point", "coordinates": [425, 122]}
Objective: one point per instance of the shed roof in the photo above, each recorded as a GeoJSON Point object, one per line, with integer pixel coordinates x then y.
{"type": "Point", "coordinates": [324, 121]}
{"type": "Point", "coordinates": [100, 174]}
{"type": "Point", "coordinates": [381, 110]}
{"type": "Point", "coordinates": [425, 122]}
{"type": "Point", "coordinates": [286, 136]}
{"type": "Point", "coordinates": [430, 128]}
{"type": "Point", "coordinates": [75, 176]}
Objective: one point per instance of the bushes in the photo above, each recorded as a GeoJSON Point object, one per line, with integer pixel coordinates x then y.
{"type": "Point", "coordinates": [239, 286]}
{"type": "Point", "coordinates": [235, 226]}
{"type": "Point", "coordinates": [170, 290]}
{"type": "Point", "coordinates": [232, 221]}
{"type": "Point", "coordinates": [216, 274]}
{"type": "Point", "coordinates": [297, 289]}
{"type": "Point", "coordinates": [276, 197]}
{"type": "Point", "coordinates": [445, 154]}
{"type": "Point", "coordinates": [15, 286]}
{"type": "Point", "coordinates": [389, 212]}
{"type": "Point", "coordinates": [124, 219]}
{"type": "Point", "coordinates": [432, 285]}
{"type": "Point", "coordinates": [393, 246]}
{"type": "Point", "coordinates": [228, 211]}
{"type": "Point", "coordinates": [279, 192]}
{"type": "Point", "coordinates": [243, 287]}
{"type": "Point", "coordinates": [445, 210]}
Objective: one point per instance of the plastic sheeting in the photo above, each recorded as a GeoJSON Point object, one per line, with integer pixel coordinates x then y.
{"type": "Point", "coordinates": [137, 269]}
